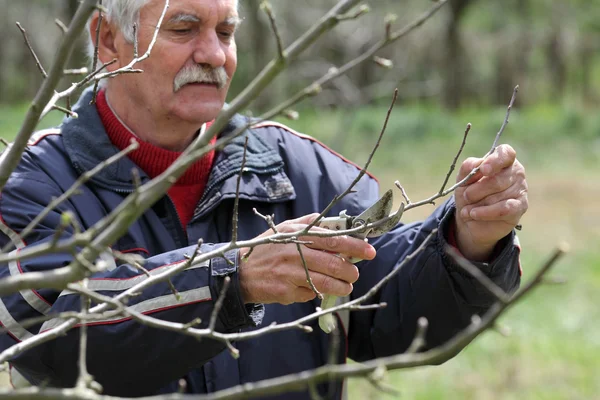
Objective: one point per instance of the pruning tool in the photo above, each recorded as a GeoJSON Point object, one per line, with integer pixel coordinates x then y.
{"type": "Point", "coordinates": [377, 212]}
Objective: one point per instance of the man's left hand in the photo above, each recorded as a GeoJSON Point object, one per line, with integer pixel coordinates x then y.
{"type": "Point", "coordinates": [491, 203]}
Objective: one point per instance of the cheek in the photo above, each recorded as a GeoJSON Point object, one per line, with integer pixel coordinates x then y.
{"type": "Point", "coordinates": [231, 63]}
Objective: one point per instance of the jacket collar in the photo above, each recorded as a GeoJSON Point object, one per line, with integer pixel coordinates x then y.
{"type": "Point", "coordinates": [88, 145]}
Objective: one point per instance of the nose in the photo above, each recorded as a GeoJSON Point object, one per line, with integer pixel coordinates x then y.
{"type": "Point", "coordinates": [209, 50]}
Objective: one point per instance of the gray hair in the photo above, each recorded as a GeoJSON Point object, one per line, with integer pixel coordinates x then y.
{"type": "Point", "coordinates": [124, 13]}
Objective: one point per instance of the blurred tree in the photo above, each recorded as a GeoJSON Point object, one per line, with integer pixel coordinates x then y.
{"type": "Point", "coordinates": [454, 77]}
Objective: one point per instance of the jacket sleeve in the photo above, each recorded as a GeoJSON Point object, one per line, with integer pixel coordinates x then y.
{"type": "Point", "coordinates": [126, 357]}
{"type": "Point", "coordinates": [431, 285]}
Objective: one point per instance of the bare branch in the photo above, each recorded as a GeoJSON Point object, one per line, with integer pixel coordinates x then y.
{"type": "Point", "coordinates": [333, 73]}
{"type": "Point", "coordinates": [453, 165]}
{"type": "Point", "coordinates": [306, 271]}
{"type": "Point", "coordinates": [268, 9]}
{"type": "Point", "coordinates": [510, 105]}
{"type": "Point", "coordinates": [482, 278]}
{"type": "Point", "coordinates": [78, 71]}
{"type": "Point", "coordinates": [363, 170]}
{"type": "Point", "coordinates": [419, 340]}
{"type": "Point", "coordinates": [234, 222]}
{"type": "Point", "coordinates": [129, 67]}
{"type": "Point", "coordinates": [135, 41]}
{"type": "Point", "coordinates": [37, 60]}
{"type": "Point", "coordinates": [84, 178]}
{"type": "Point", "coordinates": [475, 170]}
{"type": "Point", "coordinates": [404, 194]}
{"type": "Point", "coordinates": [11, 157]}
{"type": "Point", "coordinates": [268, 219]}
{"type": "Point", "coordinates": [61, 25]}
{"type": "Point", "coordinates": [96, 49]}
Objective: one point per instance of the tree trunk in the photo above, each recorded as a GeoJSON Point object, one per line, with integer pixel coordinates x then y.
{"type": "Point", "coordinates": [454, 79]}
{"type": "Point", "coordinates": [261, 50]}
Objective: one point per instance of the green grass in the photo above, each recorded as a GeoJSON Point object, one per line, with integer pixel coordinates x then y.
{"type": "Point", "coordinates": [554, 349]}
{"type": "Point", "coordinates": [11, 118]}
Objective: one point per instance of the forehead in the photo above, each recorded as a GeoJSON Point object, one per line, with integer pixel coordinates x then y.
{"type": "Point", "coordinates": [195, 7]}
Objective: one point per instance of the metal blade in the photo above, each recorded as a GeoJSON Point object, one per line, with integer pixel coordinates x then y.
{"type": "Point", "coordinates": [388, 225]}
{"type": "Point", "coordinates": [379, 210]}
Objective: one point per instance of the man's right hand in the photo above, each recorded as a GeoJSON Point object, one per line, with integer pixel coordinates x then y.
{"type": "Point", "coordinates": [273, 273]}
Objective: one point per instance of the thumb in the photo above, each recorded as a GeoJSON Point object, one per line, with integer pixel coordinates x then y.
{"type": "Point", "coordinates": [467, 166]}
{"type": "Point", "coordinates": [306, 219]}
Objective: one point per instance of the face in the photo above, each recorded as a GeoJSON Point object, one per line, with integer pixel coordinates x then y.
{"type": "Point", "coordinates": [187, 76]}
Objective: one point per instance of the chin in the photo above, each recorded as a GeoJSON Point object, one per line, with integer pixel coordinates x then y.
{"type": "Point", "coordinates": [199, 112]}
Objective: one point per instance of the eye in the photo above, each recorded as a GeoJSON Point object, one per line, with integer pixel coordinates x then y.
{"type": "Point", "coordinates": [226, 35]}
{"type": "Point", "coordinates": [181, 31]}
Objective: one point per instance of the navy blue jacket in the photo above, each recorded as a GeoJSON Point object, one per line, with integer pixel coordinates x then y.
{"type": "Point", "coordinates": [288, 175]}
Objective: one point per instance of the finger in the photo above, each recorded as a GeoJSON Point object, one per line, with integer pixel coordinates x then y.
{"type": "Point", "coordinates": [349, 246]}
{"type": "Point", "coordinates": [466, 167]}
{"type": "Point", "coordinates": [303, 294]}
{"type": "Point", "coordinates": [490, 185]}
{"type": "Point", "coordinates": [330, 264]}
{"type": "Point", "coordinates": [323, 283]}
{"type": "Point", "coordinates": [328, 285]}
{"type": "Point", "coordinates": [516, 191]}
{"type": "Point", "coordinates": [306, 219]}
{"type": "Point", "coordinates": [503, 157]}
{"type": "Point", "coordinates": [509, 210]}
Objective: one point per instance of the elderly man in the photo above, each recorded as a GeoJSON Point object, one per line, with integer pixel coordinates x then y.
{"type": "Point", "coordinates": [289, 175]}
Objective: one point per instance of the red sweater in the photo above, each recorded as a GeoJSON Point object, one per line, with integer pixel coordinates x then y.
{"type": "Point", "coordinates": [153, 160]}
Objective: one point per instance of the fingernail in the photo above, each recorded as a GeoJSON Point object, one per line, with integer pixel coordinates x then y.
{"type": "Point", "coordinates": [370, 252]}
{"type": "Point", "coordinates": [473, 214]}
{"type": "Point", "coordinates": [464, 213]}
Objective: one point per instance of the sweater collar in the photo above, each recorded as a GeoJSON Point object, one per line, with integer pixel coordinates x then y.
{"type": "Point", "coordinates": [150, 158]}
{"type": "Point", "coordinates": [88, 145]}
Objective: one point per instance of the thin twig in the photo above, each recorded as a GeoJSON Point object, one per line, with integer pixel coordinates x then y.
{"type": "Point", "coordinates": [68, 112]}
{"type": "Point", "coordinates": [135, 40]}
{"type": "Point", "coordinates": [404, 194]}
{"type": "Point", "coordinates": [306, 271]}
{"type": "Point", "coordinates": [12, 156]}
{"type": "Point", "coordinates": [482, 278]}
{"type": "Point", "coordinates": [35, 57]}
{"type": "Point", "coordinates": [96, 50]}
{"type": "Point", "coordinates": [268, 219]}
{"type": "Point", "coordinates": [453, 165]}
{"type": "Point", "coordinates": [418, 341]}
{"type": "Point", "coordinates": [268, 9]}
{"type": "Point", "coordinates": [84, 378]}
{"type": "Point", "coordinates": [510, 105]}
{"type": "Point", "coordinates": [475, 170]}
{"type": "Point", "coordinates": [76, 71]}
{"type": "Point", "coordinates": [334, 73]}
{"type": "Point", "coordinates": [61, 25]}
{"type": "Point", "coordinates": [234, 222]}
{"type": "Point", "coordinates": [363, 171]}
{"type": "Point", "coordinates": [71, 191]}
{"type": "Point", "coordinates": [219, 304]}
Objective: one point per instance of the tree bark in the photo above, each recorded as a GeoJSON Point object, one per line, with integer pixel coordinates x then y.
{"type": "Point", "coordinates": [454, 79]}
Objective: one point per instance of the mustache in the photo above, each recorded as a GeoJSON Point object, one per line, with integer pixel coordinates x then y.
{"type": "Point", "coordinates": [199, 73]}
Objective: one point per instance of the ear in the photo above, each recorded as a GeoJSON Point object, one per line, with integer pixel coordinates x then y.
{"type": "Point", "coordinates": [107, 49]}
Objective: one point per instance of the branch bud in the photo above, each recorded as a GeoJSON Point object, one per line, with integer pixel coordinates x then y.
{"type": "Point", "coordinates": [383, 62]}
{"type": "Point", "coordinates": [389, 21]}
{"type": "Point", "coordinates": [291, 114]}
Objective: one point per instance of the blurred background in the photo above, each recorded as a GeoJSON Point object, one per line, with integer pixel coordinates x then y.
{"type": "Point", "coordinates": [460, 67]}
